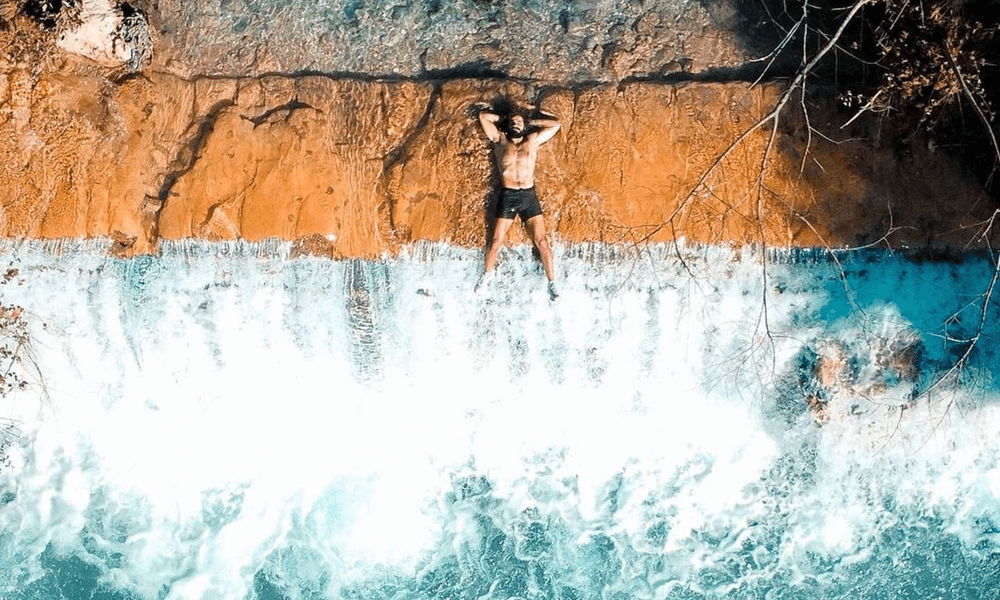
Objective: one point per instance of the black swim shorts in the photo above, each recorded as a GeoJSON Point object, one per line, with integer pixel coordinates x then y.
{"type": "Point", "coordinates": [518, 202]}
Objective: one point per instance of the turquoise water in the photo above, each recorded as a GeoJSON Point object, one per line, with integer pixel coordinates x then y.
{"type": "Point", "coordinates": [228, 421]}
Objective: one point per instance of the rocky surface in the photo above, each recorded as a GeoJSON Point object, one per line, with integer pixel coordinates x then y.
{"type": "Point", "coordinates": [553, 41]}
{"type": "Point", "coordinates": [356, 165]}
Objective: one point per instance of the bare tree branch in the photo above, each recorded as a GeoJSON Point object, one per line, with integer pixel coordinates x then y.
{"type": "Point", "coordinates": [971, 342]}
{"type": "Point", "coordinates": [773, 116]}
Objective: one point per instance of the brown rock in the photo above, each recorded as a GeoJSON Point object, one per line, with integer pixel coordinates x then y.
{"type": "Point", "coordinates": [367, 165]}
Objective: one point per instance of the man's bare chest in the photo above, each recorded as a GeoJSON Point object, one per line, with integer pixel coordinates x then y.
{"type": "Point", "coordinates": [514, 153]}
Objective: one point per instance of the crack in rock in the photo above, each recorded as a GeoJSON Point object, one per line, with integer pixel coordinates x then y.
{"type": "Point", "coordinates": [182, 164]}
{"type": "Point", "coordinates": [400, 153]}
{"type": "Point", "coordinates": [288, 108]}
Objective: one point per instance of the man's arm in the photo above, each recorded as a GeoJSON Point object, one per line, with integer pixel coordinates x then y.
{"type": "Point", "coordinates": [549, 125]}
{"type": "Point", "coordinates": [489, 120]}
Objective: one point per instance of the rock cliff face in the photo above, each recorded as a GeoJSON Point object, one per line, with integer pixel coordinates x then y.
{"type": "Point", "coordinates": [217, 145]}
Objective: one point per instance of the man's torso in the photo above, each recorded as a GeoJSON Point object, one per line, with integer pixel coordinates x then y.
{"type": "Point", "coordinates": [516, 162]}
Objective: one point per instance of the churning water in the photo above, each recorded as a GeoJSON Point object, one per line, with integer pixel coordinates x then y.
{"type": "Point", "coordinates": [225, 421]}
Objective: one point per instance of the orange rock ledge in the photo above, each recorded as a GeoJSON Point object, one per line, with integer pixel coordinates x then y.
{"type": "Point", "coordinates": [357, 168]}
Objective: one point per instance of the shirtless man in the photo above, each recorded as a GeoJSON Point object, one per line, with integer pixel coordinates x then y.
{"type": "Point", "coordinates": [516, 143]}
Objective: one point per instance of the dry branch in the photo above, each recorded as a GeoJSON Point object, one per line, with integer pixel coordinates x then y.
{"type": "Point", "coordinates": [798, 82]}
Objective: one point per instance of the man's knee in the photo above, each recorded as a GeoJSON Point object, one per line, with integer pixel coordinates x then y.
{"type": "Point", "coordinates": [497, 239]}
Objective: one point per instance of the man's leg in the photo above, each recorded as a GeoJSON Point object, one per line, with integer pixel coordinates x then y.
{"type": "Point", "coordinates": [536, 229]}
{"type": "Point", "coordinates": [493, 250]}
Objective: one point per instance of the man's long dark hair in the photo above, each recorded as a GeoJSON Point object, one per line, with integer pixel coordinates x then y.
{"type": "Point", "coordinates": [507, 122]}
{"type": "Point", "coordinates": [507, 109]}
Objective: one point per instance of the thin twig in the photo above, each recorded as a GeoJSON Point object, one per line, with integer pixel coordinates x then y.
{"type": "Point", "coordinates": [972, 100]}
{"type": "Point", "coordinates": [867, 106]}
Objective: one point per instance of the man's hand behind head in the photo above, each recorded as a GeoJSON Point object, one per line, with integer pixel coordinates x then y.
{"type": "Point", "coordinates": [477, 107]}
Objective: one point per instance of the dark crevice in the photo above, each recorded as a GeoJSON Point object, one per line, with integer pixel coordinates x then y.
{"type": "Point", "coordinates": [433, 76]}
{"type": "Point", "coordinates": [185, 160]}
{"type": "Point", "coordinates": [210, 213]}
{"type": "Point", "coordinates": [297, 74]}
{"type": "Point", "coordinates": [124, 78]}
{"type": "Point", "coordinates": [745, 73]}
{"type": "Point", "coordinates": [400, 152]}
{"type": "Point", "coordinates": [288, 108]}
{"type": "Point", "coordinates": [480, 69]}
{"type": "Point", "coordinates": [741, 74]}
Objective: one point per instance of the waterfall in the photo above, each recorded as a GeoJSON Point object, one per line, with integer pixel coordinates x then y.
{"type": "Point", "coordinates": [232, 421]}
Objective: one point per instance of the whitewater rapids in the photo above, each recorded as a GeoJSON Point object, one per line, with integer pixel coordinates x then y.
{"type": "Point", "coordinates": [229, 421]}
